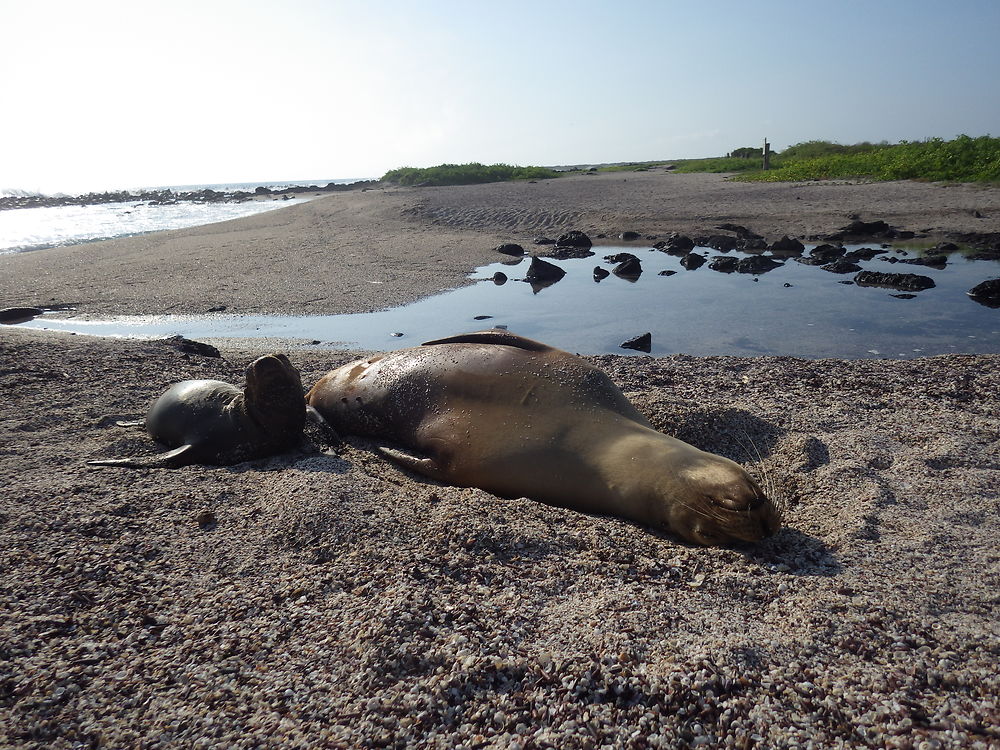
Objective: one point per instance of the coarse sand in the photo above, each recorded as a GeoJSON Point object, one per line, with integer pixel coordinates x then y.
{"type": "Point", "coordinates": [324, 598]}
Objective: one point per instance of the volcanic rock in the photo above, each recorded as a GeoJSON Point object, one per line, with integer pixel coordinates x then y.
{"type": "Point", "coordinates": [542, 271]}
{"type": "Point", "coordinates": [574, 238]}
{"type": "Point", "coordinates": [904, 282]}
{"type": "Point", "coordinates": [643, 343]}
{"type": "Point", "coordinates": [510, 248]}
{"type": "Point", "coordinates": [691, 261]}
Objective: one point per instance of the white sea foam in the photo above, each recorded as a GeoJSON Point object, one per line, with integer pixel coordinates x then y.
{"type": "Point", "coordinates": [37, 228]}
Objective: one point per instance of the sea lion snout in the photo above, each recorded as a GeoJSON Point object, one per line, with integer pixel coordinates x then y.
{"type": "Point", "coordinates": [740, 498]}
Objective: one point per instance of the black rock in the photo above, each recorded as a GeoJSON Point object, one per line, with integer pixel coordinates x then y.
{"type": "Point", "coordinates": [629, 268]}
{"type": "Point", "coordinates": [643, 343]}
{"type": "Point", "coordinates": [934, 261]}
{"type": "Point", "coordinates": [574, 238]}
{"type": "Point", "coordinates": [787, 246]}
{"type": "Point", "coordinates": [677, 243]}
{"type": "Point", "coordinates": [742, 232]}
{"type": "Point", "coordinates": [564, 253]}
{"type": "Point", "coordinates": [841, 266]}
{"type": "Point", "coordinates": [191, 347]}
{"type": "Point", "coordinates": [946, 247]}
{"type": "Point", "coordinates": [542, 271]}
{"type": "Point", "coordinates": [499, 278]}
{"type": "Point", "coordinates": [629, 236]}
{"type": "Point", "coordinates": [666, 273]}
{"type": "Point", "coordinates": [619, 257]}
{"type": "Point", "coordinates": [691, 261]}
{"type": "Point", "coordinates": [987, 293]}
{"type": "Point", "coordinates": [827, 253]}
{"type": "Point", "coordinates": [753, 245]}
{"type": "Point", "coordinates": [757, 264]}
{"type": "Point", "coordinates": [11, 315]}
{"type": "Point", "coordinates": [482, 317]}
{"type": "Point", "coordinates": [544, 241]}
{"type": "Point", "coordinates": [863, 253]}
{"type": "Point", "coordinates": [989, 241]}
{"type": "Point", "coordinates": [722, 242]}
{"type": "Point", "coordinates": [510, 248]}
{"type": "Point", "coordinates": [810, 261]}
{"type": "Point", "coordinates": [904, 296]}
{"type": "Point", "coordinates": [904, 282]}
{"type": "Point", "coordinates": [724, 264]}
{"type": "Point", "coordinates": [600, 273]}
{"type": "Point", "coordinates": [867, 228]}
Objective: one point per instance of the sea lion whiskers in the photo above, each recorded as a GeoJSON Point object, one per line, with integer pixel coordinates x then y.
{"type": "Point", "coordinates": [766, 480]}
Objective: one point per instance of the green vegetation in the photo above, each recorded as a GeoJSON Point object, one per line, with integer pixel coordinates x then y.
{"type": "Point", "coordinates": [718, 164]}
{"type": "Point", "coordinates": [465, 174]}
{"type": "Point", "coordinates": [638, 166]}
{"type": "Point", "coordinates": [963, 159]}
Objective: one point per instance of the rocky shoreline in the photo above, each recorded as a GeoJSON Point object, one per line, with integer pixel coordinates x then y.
{"type": "Point", "coordinates": [170, 197]}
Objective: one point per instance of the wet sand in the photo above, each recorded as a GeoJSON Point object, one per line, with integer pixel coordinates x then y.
{"type": "Point", "coordinates": [328, 599]}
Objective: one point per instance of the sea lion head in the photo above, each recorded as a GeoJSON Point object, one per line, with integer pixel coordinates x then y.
{"type": "Point", "coordinates": [273, 395]}
{"type": "Point", "coordinates": [713, 501]}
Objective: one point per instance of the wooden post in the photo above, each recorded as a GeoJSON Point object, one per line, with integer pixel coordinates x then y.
{"type": "Point", "coordinates": [767, 155]}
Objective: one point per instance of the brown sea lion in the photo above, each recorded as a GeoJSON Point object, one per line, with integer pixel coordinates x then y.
{"type": "Point", "coordinates": [518, 418]}
{"type": "Point", "coordinates": [211, 422]}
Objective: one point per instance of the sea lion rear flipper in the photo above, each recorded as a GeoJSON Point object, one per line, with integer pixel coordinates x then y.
{"type": "Point", "coordinates": [414, 462]}
{"type": "Point", "coordinates": [504, 338]}
{"type": "Point", "coordinates": [169, 460]}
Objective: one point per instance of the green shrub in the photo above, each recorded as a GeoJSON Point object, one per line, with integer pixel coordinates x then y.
{"type": "Point", "coordinates": [720, 164]}
{"type": "Point", "coordinates": [963, 159]}
{"type": "Point", "coordinates": [465, 174]}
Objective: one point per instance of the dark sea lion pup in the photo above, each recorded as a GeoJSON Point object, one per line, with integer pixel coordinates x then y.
{"type": "Point", "coordinates": [211, 422]}
{"type": "Point", "coordinates": [521, 419]}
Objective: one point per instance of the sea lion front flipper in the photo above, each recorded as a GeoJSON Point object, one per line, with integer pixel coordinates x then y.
{"type": "Point", "coordinates": [320, 421]}
{"type": "Point", "coordinates": [170, 460]}
{"type": "Point", "coordinates": [495, 336]}
{"type": "Point", "coordinates": [414, 462]}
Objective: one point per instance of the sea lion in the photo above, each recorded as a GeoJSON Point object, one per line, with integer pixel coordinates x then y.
{"type": "Point", "coordinates": [518, 418]}
{"type": "Point", "coordinates": [212, 422]}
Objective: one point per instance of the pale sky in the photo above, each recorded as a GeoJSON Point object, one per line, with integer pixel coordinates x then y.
{"type": "Point", "coordinates": [103, 95]}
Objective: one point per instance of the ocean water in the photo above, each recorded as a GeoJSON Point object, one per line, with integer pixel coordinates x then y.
{"type": "Point", "coordinates": [25, 229]}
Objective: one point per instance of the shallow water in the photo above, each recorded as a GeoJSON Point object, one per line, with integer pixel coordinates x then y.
{"type": "Point", "coordinates": [24, 229]}
{"type": "Point", "coordinates": [700, 312]}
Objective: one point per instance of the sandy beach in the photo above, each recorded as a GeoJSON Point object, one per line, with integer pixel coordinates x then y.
{"type": "Point", "coordinates": [324, 598]}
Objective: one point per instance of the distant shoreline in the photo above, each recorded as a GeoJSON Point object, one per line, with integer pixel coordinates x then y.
{"type": "Point", "coordinates": [169, 195]}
